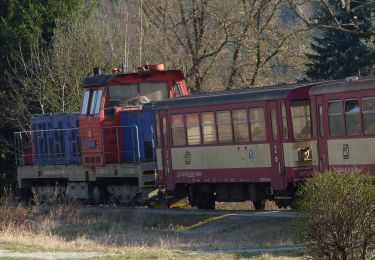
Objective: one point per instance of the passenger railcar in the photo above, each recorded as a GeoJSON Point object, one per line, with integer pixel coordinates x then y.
{"type": "Point", "coordinates": [254, 144]}
{"type": "Point", "coordinates": [344, 121]}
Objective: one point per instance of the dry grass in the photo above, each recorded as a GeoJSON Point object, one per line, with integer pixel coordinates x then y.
{"type": "Point", "coordinates": [246, 205]}
{"type": "Point", "coordinates": [136, 233]}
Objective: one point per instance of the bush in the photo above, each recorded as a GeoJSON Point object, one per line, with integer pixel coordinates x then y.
{"type": "Point", "coordinates": [337, 219]}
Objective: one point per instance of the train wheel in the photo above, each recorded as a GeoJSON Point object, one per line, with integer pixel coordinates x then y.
{"type": "Point", "coordinates": [259, 204]}
{"type": "Point", "coordinates": [207, 203]}
{"type": "Point", "coordinates": [98, 195]}
{"type": "Point", "coordinates": [113, 200]}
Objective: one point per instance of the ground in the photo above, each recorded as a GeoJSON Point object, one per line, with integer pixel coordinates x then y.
{"type": "Point", "coordinates": [127, 233]}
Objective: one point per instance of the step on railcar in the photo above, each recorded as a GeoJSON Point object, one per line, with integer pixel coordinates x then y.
{"type": "Point", "coordinates": [106, 151]}
{"type": "Point", "coordinates": [254, 144]}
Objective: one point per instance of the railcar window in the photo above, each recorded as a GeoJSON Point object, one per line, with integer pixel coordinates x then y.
{"type": "Point", "coordinates": [178, 129]}
{"type": "Point", "coordinates": [285, 122]}
{"type": "Point", "coordinates": [86, 97]}
{"type": "Point", "coordinates": [165, 131]}
{"type": "Point", "coordinates": [177, 90]}
{"type": "Point", "coordinates": [336, 119]}
{"type": "Point", "coordinates": [240, 126]}
{"type": "Point", "coordinates": [157, 123]}
{"type": "Point", "coordinates": [321, 122]}
{"type": "Point", "coordinates": [122, 95]}
{"type": "Point", "coordinates": [274, 124]}
{"type": "Point", "coordinates": [98, 101]}
{"type": "Point", "coordinates": [193, 129]}
{"type": "Point", "coordinates": [257, 124]}
{"type": "Point", "coordinates": [301, 119]}
{"type": "Point", "coordinates": [368, 110]}
{"type": "Point", "coordinates": [93, 102]}
{"type": "Point", "coordinates": [224, 126]}
{"type": "Point", "coordinates": [208, 128]}
{"type": "Point", "coordinates": [353, 117]}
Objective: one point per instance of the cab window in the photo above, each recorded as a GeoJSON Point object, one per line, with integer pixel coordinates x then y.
{"type": "Point", "coordinates": [86, 97]}
{"type": "Point", "coordinates": [91, 102]}
{"type": "Point", "coordinates": [177, 90]}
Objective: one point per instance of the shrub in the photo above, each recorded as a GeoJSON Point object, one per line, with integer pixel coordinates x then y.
{"type": "Point", "coordinates": [337, 215]}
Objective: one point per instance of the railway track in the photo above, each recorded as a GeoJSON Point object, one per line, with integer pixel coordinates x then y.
{"type": "Point", "coordinates": [194, 211]}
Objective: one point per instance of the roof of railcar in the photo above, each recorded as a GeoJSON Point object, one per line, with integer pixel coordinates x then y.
{"type": "Point", "coordinates": [343, 85]}
{"type": "Point", "coordinates": [103, 79]}
{"type": "Point", "coordinates": [235, 96]}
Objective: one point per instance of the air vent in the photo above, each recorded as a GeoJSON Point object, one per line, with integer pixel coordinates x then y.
{"type": "Point", "coordinates": [148, 150]}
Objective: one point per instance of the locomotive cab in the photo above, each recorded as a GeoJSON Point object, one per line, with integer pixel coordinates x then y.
{"type": "Point", "coordinates": [107, 97]}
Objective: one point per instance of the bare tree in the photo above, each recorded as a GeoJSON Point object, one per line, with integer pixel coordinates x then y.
{"type": "Point", "coordinates": [226, 43]}
{"type": "Point", "coordinates": [262, 47]}
{"type": "Point", "coordinates": [121, 24]}
{"type": "Point", "coordinates": [328, 19]}
{"type": "Point", "coordinates": [196, 28]}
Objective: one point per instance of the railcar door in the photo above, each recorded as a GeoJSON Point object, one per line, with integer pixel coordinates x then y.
{"type": "Point", "coordinates": [274, 120]}
{"type": "Point", "coordinates": [322, 131]}
{"type": "Point", "coordinates": [166, 152]}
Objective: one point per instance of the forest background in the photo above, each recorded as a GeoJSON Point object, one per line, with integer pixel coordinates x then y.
{"type": "Point", "coordinates": [47, 47]}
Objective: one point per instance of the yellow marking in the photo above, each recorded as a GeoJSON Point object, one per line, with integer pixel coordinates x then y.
{"type": "Point", "coordinates": [207, 221]}
{"type": "Point", "coordinates": [179, 204]}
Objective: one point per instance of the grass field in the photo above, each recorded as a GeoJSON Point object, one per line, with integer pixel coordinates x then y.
{"type": "Point", "coordinates": [132, 234]}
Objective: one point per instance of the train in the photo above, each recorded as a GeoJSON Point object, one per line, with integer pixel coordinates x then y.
{"type": "Point", "coordinates": [142, 137]}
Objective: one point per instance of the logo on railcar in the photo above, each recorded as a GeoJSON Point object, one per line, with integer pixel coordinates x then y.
{"type": "Point", "coordinates": [187, 157]}
{"type": "Point", "coordinates": [345, 151]}
{"type": "Point", "coordinates": [251, 155]}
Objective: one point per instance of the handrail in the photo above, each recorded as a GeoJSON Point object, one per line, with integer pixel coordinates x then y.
{"type": "Point", "coordinates": [138, 151]}
{"type": "Point", "coordinates": [25, 149]}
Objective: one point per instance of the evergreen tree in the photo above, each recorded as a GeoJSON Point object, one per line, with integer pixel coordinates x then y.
{"type": "Point", "coordinates": [338, 54]}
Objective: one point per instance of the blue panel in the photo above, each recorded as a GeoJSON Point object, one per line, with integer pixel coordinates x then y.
{"type": "Point", "coordinates": [131, 121]}
{"type": "Point", "coordinates": [56, 146]}
{"type": "Point", "coordinates": [43, 147]}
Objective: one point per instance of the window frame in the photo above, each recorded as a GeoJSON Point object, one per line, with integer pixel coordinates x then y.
{"type": "Point", "coordinates": [183, 126]}
{"type": "Point", "coordinates": [342, 114]}
{"type": "Point", "coordinates": [197, 125]}
{"type": "Point", "coordinates": [229, 123]}
{"type": "Point", "coordinates": [94, 104]}
{"type": "Point", "coordinates": [361, 130]}
{"type": "Point", "coordinates": [293, 116]}
{"type": "Point", "coordinates": [85, 102]}
{"type": "Point", "coordinates": [246, 123]}
{"type": "Point", "coordinates": [214, 126]}
{"type": "Point", "coordinates": [364, 112]}
{"type": "Point", "coordinates": [264, 125]}
{"type": "Point", "coordinates": [284, 121]}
